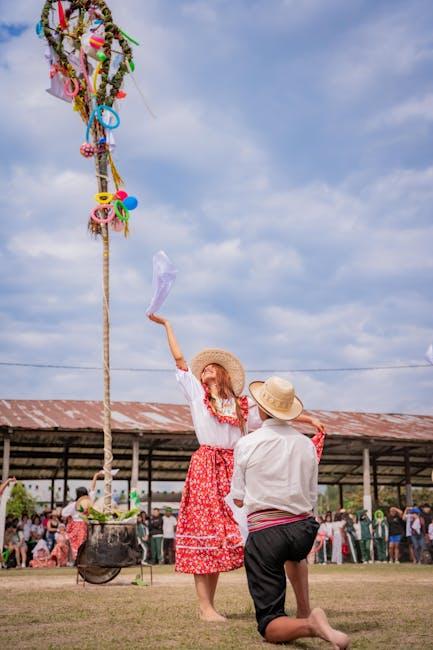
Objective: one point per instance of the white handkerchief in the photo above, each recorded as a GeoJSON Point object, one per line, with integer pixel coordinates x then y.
{"type": "Point", "coordinates": [164, 275]}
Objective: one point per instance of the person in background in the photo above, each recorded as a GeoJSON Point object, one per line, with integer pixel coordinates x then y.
{"type": "Point", "coordinates": [12, 545]}
{"type": "Point", "coordinates": [430, 537]}
{"type": "Point", "coordinates": [395, 533]}
{"type": "Point", "coordinates": [76, 528]}
{"type": "Point", "coordinates": [321, 540]}
{"type": "Point", "coordinates": [169, 523]}
{"type": "Point", "coordinates": [41, 557]}
{"type": "Point", "coordinates": [156, 536]}
{"type": "Point", "coordinates": [409, 517]}
{"type": "Point", "coordinates": [37, 531]}
{"type": "Point", "coordinates": [143, 536]}
{"type": "Point", "coordinates": [351, 536]}
{"type": "Point", "coordinates": [329, 535]}
{"type": "Point", "coordinates": [427, 519]}
{"type": "Point", "coordinates": [52, 527]}
{"type": "Point", "coordinates": [365, 524]}
{"type": "Point", "coordinates": [26, 524]}
{"type": "Point", "coordinates": [61, 551]}
{"type": "Point", "coordinates": [338, 526]}
{"type": "Point", "coordinates": [380, 536]}
{"type": "Point", "coordinates": [417, 535]}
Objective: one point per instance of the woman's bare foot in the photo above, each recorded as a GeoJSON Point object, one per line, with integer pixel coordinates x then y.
{"type": "Point", "coordinates": [211, 616]}
{"type": "Point", "coordinates": [320, 626]}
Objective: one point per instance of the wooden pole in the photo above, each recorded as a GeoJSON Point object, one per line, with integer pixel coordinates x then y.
{"type": "Point", "coordinates": [65, 474]}
{"type": "Point", "coordinates": [366, 481]}
{"type": "Point", "coordinates": [149, 483]}
{"type": "Point", "coordinates": [375, 483]}
{"type": "Point", "coordinates": [52, 494]}
{"type": "Point", "coordinates": [407, 478]}
{"type": "Point", "coordinates": [101, 164]}
{"type": "Point", "coordinates": [341, 495]}
{"type": "Point", "coordinates": [5, 475]}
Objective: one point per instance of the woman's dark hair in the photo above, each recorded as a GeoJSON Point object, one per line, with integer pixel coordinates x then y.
{"type": "Point", "coordinates": [35, 516]}
{"type": "Point", "coordinates": [338, 516]}
{"type": "Point", "coordinates": [81, 492]}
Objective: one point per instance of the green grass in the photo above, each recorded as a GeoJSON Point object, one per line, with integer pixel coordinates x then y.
{"type": "Point", "coordinates": [384, 607]}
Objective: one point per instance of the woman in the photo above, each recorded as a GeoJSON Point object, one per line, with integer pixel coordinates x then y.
{"type": "Point", "coordinates": [52, 527]}
{"type": "Point", "coordinates": [396, 532]}
{"type": "Point", "coordinates": [61, 550]}
{"type": "Point", "coordinates": [380, 535]}
{"type": "Point", "coordinates": [208, 539]}
{"type": "Point", "coordinates": [76, 527]}
{"type": "Point", "coordinates": [338, 526]}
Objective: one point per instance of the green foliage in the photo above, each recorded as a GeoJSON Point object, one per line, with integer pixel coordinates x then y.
{"type": "Point", "coordinates": [20, 501]}
{"type": "Point", "coordinates": [105, 518]}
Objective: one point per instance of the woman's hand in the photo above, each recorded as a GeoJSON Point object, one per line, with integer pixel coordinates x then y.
{"type": "Point", "coordinates": [318, 425]}
{"type": "Point", "coordinates": [158, 319]}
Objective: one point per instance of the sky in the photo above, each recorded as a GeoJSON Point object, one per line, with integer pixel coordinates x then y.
{"type": "Point", "coordinates": [288, 174]}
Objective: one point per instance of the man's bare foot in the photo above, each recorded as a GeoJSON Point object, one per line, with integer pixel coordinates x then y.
{"type": "Point", "coordinates": [320, 626]}
{"type": "Point", "coordinates": [211, 616]}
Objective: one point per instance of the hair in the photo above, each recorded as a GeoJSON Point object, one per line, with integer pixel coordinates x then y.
{"type": "Point", "coordinates": [338, 516]}
{"type": "Point", "coordinates": [328, 514]}
{"type": "Point", "coordinates": [225, 391]}
{"type": "Point", "coordinates": [81, 492]}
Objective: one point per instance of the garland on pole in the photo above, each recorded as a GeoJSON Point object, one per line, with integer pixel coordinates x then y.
{"type": "Point", "coordinates": [89, 57]}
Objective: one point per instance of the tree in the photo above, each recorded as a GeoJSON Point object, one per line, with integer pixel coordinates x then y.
{"type": "Point", "coordinates": [20, 501]}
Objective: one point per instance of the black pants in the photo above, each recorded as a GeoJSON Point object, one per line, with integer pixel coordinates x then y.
{"type": "Point", "coordinates": [168, 546]}
{"type": "Point", "coordinates": [266, 551]}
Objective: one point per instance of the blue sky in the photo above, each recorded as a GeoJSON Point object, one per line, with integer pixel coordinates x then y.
{"type": "Point", "coordinates": [288, 174]}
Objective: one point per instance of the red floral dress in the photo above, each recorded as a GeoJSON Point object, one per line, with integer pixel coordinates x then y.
{"type": "Point", "coordinates": [208, 538]}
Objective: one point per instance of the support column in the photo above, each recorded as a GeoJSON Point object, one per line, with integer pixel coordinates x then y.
{"type": "Point", "coordinates": [134, 466]}
{"type": "Point", "coordinates": [400, 502]}
{"type": "Point", "coordinates": [407, 478]}
{"type": "Point", "coordinates": [149, 482]}
{"type": "Point", "coordinates": [65, 474]}
{"type": "Point", "coordinates": [5, 475]}
{"type": "Point", "coordinates": [340, 493]}
{"type": "Point", "coordinates": [52, 494]}
{"type": "Point", "coordinates": [375, 484]}
{"type": "Point", "coordinates": [366, 481]}
{"type": "Point", "coordinates": [6, 458]}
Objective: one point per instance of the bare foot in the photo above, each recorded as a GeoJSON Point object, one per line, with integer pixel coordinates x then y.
{"type": "Point", "coordinates": [211, 616]}
{"type": "Point", "coordinates": [321, 627]}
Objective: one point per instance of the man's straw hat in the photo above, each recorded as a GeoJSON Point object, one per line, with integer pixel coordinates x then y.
{"type": "Point", "coordinates": [276, 396]}
{"type": "Point", "coordinates": [223, 358]}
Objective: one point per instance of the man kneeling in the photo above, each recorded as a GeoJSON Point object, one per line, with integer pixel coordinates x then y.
{"type": "Point", "coordinates": [275, 476]}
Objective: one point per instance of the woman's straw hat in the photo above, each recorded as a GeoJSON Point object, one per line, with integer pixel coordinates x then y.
{"type": "Point", "coordinates": [276, 396]}
{"type": "Point", "coordinates": [223, 358]}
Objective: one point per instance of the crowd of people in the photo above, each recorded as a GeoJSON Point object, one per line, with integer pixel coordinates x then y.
{"type": "Point", "coordinates": [52, 538]}
{"type": "Point", "coordinates": [389, 537]}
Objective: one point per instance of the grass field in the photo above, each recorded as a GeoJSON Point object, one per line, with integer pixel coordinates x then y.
{"type": "Point", "coordinates": [388, 607]}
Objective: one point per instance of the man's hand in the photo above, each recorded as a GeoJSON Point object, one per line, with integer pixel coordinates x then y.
{"type": "Point", "coordinates": [238, 502]}
{"type": "Point", "coordinates": [158, 319]}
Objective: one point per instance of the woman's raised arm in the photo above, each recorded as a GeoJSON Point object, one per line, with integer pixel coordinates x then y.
{"type": "Point", "coordinates": [172, 341]}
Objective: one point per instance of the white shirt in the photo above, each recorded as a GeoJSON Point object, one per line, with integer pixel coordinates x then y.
{"type": "Point", "coordinates": [207, 428]}
{"type": "Point", "coordinates": [430, 531]}
{"type": "Point", "coordinates": [168, 526]}
{"type": "Point", "coordinates": [275, 467]}
{"type": "Point", "coordinates": [337, 527]}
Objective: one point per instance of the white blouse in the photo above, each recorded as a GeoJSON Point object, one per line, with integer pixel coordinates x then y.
{"type": "Point", "coordinates": [207, 428]}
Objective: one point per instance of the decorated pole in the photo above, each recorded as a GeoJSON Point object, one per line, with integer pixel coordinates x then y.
{"type": "Point", "coordinates": [89, 56]}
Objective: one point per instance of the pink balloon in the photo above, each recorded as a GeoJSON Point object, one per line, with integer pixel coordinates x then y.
{"type": "Point", "coordinates": [121, 194]}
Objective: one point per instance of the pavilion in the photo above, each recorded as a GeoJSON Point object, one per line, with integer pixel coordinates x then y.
{"type": "Point", "coordinates": [60, 439]}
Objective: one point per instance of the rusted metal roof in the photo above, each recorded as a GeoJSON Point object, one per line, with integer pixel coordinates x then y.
{"type": "Point", "coordinates": [68, 415]}
{"type": "Point", "coordinates": [129, 417]}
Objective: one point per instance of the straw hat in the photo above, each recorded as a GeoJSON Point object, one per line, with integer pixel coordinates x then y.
{"type": "Point", "coordinates": [223, 358]}
{"type": "Point", "coordinates": [277, 398]}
